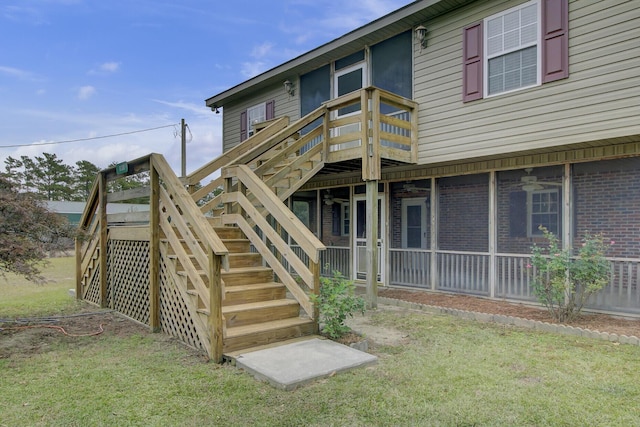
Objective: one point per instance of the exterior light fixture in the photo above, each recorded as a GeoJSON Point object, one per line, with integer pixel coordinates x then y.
{"type": "Point", "coordinates": [421, 33]}
{"type": "Point", "coordinates": [289, 88]}
{"type": "Point", "coordinates": [215, 109]}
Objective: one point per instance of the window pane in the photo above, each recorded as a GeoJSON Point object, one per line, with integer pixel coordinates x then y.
{"type": "Point", "coordinates": [349, 60]}
{"type": "Point", "coordinates": [391, 65]}
{"type": "Point", "coordinates": [513, 70]}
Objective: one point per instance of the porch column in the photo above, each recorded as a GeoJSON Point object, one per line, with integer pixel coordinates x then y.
{"type": "Point", "coordinates": [433, 273]}
{"type": "Point", "coordinates": [493, 236]}
{"type": "Point", "coordinates": [372, 243]}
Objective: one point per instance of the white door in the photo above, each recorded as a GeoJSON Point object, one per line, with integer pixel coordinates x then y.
{"type": "Point", "coordinates": [345, 81]}
{"type": "Point", "coordinates": [360, 218]}
{"type": "Point", "coordinates": [414, 223]}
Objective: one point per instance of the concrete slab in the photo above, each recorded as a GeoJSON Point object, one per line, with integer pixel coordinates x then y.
{"type": "Point", "coordinates": [291, 365]}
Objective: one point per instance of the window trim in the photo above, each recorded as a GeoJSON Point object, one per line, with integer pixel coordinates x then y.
{"type": "Point", "coordinates": [487, 57]}
{"type": "Point", "coordinates": [530, 213]}
{"type": "Point", "coordinates": [345, 218]}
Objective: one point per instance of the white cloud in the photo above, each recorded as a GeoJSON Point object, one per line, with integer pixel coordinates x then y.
{"type": "Point", "coordinates": [262, 50]}
{"type": "Point", "coordinates": [252, 69]}
{"type": "Point", "coordinates": [110, 67]}
{"type": "Point", "coordinates": [200, 110]}
{"type": "Point", "coordinates": [18, 73]}
{"type": "Point", "coordinates": [86, 92]}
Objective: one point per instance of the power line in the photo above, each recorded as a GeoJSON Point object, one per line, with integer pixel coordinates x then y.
{"type": "Point", "coordinates": [88, 139]}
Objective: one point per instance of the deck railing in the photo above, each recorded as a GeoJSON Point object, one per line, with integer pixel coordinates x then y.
{"type": "Point", "coordinates": [174, 218]}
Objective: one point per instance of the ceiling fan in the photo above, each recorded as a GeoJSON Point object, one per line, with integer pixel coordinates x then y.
{"type": "Point", "coordinates": [411, 187]}
{"type": "Point", "coordinates": [531, 183]}
{"type": "Point", "coordinates": [328, 198]}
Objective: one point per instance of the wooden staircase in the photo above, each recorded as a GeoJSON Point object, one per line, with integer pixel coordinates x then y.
{"type": "Point", "coordinates": [255, 308]}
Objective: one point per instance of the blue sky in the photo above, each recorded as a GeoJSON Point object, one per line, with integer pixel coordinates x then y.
{"type": "Point", "coordinates": [74, 69]}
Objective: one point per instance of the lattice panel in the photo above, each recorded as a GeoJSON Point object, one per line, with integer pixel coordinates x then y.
{"type": "Point", "coordinates": [175, 319]}
{"type": "Point", "coordinates": [128, 278]}
{"type": "Point", "coordinates": [92, 293]}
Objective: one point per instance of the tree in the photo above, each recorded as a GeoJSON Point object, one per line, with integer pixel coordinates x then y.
{"type": "Point", "coordinates": [84, 175]}
{"type": "Point", "coordinates": [27, 231]}
{"type": "Point", "coordinates": [49, 177]}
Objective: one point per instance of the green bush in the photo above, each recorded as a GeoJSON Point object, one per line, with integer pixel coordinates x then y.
{"type": "Point", "coordinates": [562, 282]}
{"type": "Point", "coordinates": [336, 302]}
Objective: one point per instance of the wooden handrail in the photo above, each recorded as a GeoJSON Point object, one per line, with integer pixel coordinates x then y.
{"type": "Point", "coordinates": [228, 157]}
{"type": "Point", "coordinates": [190, 210]}
{"type": "Point", "coordinates": [287, 219]}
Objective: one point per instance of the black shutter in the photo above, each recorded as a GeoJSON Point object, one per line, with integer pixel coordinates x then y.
{"type": "Point", "coordinates": [518, 214]}
{"type": "Point", "coordinates": [243, 126]}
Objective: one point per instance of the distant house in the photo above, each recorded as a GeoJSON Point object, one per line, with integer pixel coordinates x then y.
{"type": "Point", "coordinates": [72, 211]}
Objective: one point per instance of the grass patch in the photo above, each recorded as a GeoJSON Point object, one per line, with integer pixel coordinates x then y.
{"type": "Point", "coordinates": [23, 298]}
{"type": "Point", "coordinates": [452, 372]}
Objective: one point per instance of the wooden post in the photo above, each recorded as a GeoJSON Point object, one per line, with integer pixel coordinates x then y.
{"type": "Point", "coordinates": [78, 244]}
{"type": "Point", "coordinates": [314, 267]}
{"type": "Point", "coordinates": [493, 233]}
{"type": "Point", "coordinates": [154, 250]}
{"type": "Point", "coordinates": [102, 215]}
{"type": "Point", "coordinates": [215, 307]}
{"type": "Point", "coordinates": [372, 244]}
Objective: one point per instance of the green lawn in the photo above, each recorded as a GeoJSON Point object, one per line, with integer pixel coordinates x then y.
{"type": "Point", "coordinates": [453, 372]}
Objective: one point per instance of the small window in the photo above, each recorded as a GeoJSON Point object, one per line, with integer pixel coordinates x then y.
{"type": "Point", "coordinates": [512, 44]}
{"type": "Point", "coordinates": [345, 218]}
{"type": "Point", "coordinates": [544, 210]}
{"type": "Point", "coordinates": [255, 115]}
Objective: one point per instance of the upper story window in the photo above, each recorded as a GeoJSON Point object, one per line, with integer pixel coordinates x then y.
{"type": "Point", "coordinates": [511, 43]}
{"type": "Point", "coordinates": [524, 46]}
{"type": "Point", "coordinates": [253, 115]}
{"type": "Point", "coordinates": [256, 114]}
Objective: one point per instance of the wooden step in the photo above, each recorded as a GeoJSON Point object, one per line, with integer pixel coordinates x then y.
{"type": "Point", "coordinates": [245, 259]}
{"type": "Point", "coordinates": [241, 294]}
{"type": "Point", "coordinates": [237, 245]}
{"type": "Point", "coordinates": [247, 276]}
{"type": "Point", "coordinates": [260, 312]}
{"type": "Point", "coordinates": [228, 232]}
{"type": "Point", "coordinates": [248, 336]}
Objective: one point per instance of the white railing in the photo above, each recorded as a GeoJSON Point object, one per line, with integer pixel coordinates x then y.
{"type": "Point", "coordinates": [514, 277]}
{"type": "Point", "coordinates": [622, 295]}
{"type": "Point", "coordinates": [337, 258]}
{"type": "Point", "coordinates": [464, 272]}
{"type": "Point", "coordinates": [410, 267]}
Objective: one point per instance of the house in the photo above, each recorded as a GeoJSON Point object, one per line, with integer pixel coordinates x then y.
{"type": "Point", "coordinates": [449, 130]}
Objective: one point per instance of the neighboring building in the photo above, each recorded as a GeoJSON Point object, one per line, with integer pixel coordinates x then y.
{"type": "Point", "coordinates": [72, 211]}
{"type": "Point", "coordinates": [527, 114]}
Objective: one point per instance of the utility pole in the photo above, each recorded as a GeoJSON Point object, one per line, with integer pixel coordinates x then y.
{"type": "Point", "coordinates": [183, 137]}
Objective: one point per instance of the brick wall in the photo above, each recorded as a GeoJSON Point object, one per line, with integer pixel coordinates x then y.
{"type": "Point", "coordinates": [607, 201]}
{"type": "Point", "coordinates": [464, 213]}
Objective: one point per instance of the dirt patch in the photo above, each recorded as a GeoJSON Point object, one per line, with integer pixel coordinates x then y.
{"type": "Point", "coordinates": [26, 338]}
{"type": "Point", "coordinates": [376, 335]}
{"type": "Point", "coordinates": [594, 322]}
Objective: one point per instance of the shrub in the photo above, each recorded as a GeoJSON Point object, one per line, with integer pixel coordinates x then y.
{"type": "Point", "coordinates": [336, 302]}
{"type": "Point", "coordinates": [562, 282]}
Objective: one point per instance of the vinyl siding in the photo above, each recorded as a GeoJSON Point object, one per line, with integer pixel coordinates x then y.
{"type": "Point", "coordinates": [598, 100]}
{"type": "Point", "coordinates": [285, 105]}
